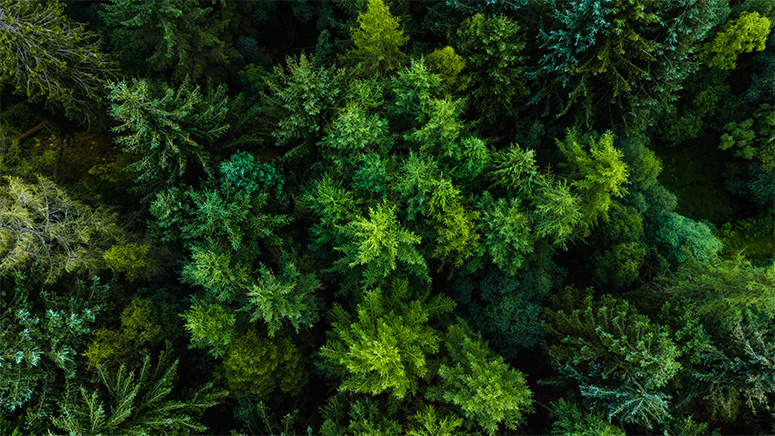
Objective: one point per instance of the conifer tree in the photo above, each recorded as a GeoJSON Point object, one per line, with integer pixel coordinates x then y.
{"type": "Point", "coordinates": [378, 39]}
{"type": "Point", "coordinates": [387, 345]}
{"type": "Point", "coordinates": [137, 403]}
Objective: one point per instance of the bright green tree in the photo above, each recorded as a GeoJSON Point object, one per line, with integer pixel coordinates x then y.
{"type": "Point", "coordinates": [487, 391]}
{"type": "Point", "coordinates": [211, 326]}
{"type": "Point", "coordinates": [597, 174]}
{"type": "Point", "coordinates": [172, 130]}
{"type": "Point", "coordinates": [745, 34]}
{"type": "Point", "coordinates": [378, 39]}
{"type": "Point", "coordinates": [49, 58]}
{"type": "Point", "coordinates": [261, 366]}
{"type": "Point", "coordinates": [448, 65]}
{"type": "Point", "coordinates": [379, 245]}
{"type": "Point", "coordinates": [387, 345]}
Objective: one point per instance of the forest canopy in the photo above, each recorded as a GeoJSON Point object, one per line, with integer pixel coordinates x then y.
{"type": "Point", "coordinates": [387, 217]}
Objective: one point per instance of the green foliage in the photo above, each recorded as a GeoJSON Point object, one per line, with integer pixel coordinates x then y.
{"type": "Point", "coordinates": [507, 232]}
{"type": "Point", "coordinates": [448, 65]}
{"type": "Point", "coordinates": [557, 211]}
{"type": "Point", "coordinates": [487, 391]}
{"type": "Point", "coordinates": [726, 292]}
{"type": "Point", "coordinates": [745, 34]}
{"type": "Point", "coordinates": [412, 88]}
{"type": "Point", "coordinates": [681, 238]}
{"type": "Point", "coordinates": [491, 47]}
{"type": "Point", "coordinates": [211, 327]}
{"type": "Point", "coordinates": [626, 60]}
{"type": "Point", "coordinates": [507, 309]}
{"type": "Point", "coordinates": [284, 297]}
{"type": "Point", "coordinates": [176, 37]}
{"type": "Point", "coordinates": [597, 174]}
{"type": "Point", "coordinates": [170, 129]}
{"type": "Point", "coordinates": [455, 225]}
{"type": "Point", "coordinates": [378, 39]}
{"type": "Point", "coordinates": [516, 169]}
{"type": "Point", "coordinates": [39, 347]}
{"type": "Point", "coordinates": [262, 366]}
{"type": "Point", "coordinates": [429, 421]}
{"type": "Point", "coordinates": [361, 415]}
{"type": "Point", "coordinates": [618, 358]}
{"type": "Point", "coordinates": [42, 229]}
{"type": "Point", "coordinates": [49, 58]}
{"type": "Point", "coordinates": [138, 321]}
{"type": "Point", "coordinates": [754, 138]}
{"type": "Point", "coordinates": [136, 404]}
{"type": "Point", "coordinates": [386, 346]}
{"type": "Point", "coordinates": [134, 260]}
{"type": "Point", "coordinates": [379, 245]}
{"type": "Point", "coordinates": [743, 369]}
{"type": "Point", "coordinates": [301, 97]}
{"type": "Point", "coordinates": [571, 421]}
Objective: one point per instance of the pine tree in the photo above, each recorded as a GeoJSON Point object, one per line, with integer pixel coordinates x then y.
{"type": "Point", "coordinates": [618, 358]}
{"type": "Point", "coordinates": [170, 129]}
{"type": "Point", "coordinates": [486, 390]}
{"type": "Point", "coordinates": [598, 174]}
{"type": "Point", "coordinates": [177, 37]}
{"type": "Point", "coordinates": [492, 47]}
{"type": "Point", "coordinates": [378, 39]}
{"type": "Point", "coordinates": [378, 245]}
{"type": "Point", "coordinates": [137, 403]}
{"type": "Point", "coordinates": [387, 345]}
{"type": "Point", "coordinates": [43, 230]}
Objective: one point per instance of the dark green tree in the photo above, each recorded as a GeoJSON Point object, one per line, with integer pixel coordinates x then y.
{"type": "Point", "coordinates": [137, 403]}
{"type": "Point", "coordinates": [491, 47]}
{"type": "Point", "coordinates": [617, 357]}
{"type": "Point", "coordinates": [177, 37]}
{"type": "Point", "coordinates": [624, 61]}
{"type": "Point", "coordinates": [171, 129]}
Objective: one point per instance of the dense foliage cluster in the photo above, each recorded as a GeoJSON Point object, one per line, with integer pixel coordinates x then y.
{"type": "Point", "coordinates": [386, 217]}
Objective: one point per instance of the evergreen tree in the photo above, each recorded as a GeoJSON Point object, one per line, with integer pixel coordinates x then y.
{"type": "Point", "coordinates": [598, 174]}
{"type": "Point", "coordinates": [492, 49]}
{"type": "Point", "coordinates": [387, 345]}
{"type": "Point", "coordinates": [618, 357]}
{"type": "Point", "coordinates": [624, 61]}
{"type": "Point", "coordinates": [378, 39]}
{"type": "Point", "coordinates": [486, 390]}
{"type": "Point", "coordinates": [175, 36]}
{"type": "Point", "coordinates": [43, 230]}
{"type": "Point", "coordinates": [378, 245]}
{"type": "Point", "coordinates": [170, 129]}
{"type": "Point", "coordinates": [137, 404]}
